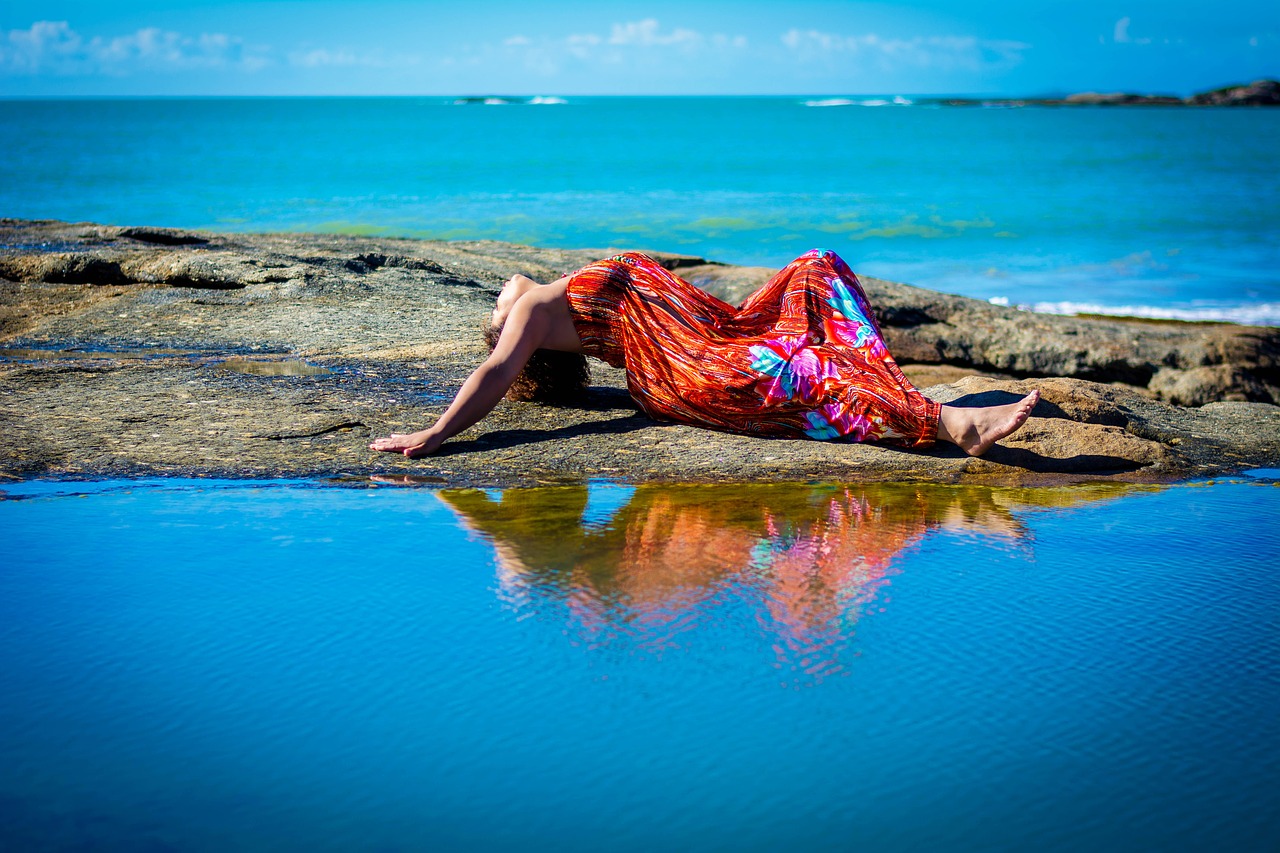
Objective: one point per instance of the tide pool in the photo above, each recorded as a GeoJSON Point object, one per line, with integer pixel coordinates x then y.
{"type": "Point", "coordinates": [1160, 211]}
{"type": "Point", "coordinates": [289, 665]}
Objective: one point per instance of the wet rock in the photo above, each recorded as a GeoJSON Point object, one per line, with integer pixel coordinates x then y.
{"type": "Point", "coordinates": [335, 340]}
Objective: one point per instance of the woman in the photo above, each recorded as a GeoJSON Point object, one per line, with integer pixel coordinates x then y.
{"type": "Point", "coordinates": [801, 357]}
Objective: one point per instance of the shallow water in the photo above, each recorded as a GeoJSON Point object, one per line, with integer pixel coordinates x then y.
{"type": "Point", "coordinates": [211, 665]}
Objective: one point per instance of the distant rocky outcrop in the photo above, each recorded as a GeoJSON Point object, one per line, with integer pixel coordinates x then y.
{"type": "Point", "coordinates": [142, 351]}
{"type": "Point", "coordinates": [1260, 93]}
{"type": "Point", "coordinates": [1124, 99]}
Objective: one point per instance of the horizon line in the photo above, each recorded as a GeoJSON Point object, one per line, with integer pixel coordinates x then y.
{"type": "Point", "coordinates": [1050, 95]}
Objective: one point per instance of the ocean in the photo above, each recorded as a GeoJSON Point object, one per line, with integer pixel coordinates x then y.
{"type": "Point", "coordinates": [1150, 211]}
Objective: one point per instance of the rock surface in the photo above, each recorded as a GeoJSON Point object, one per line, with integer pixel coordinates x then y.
{"type": "Point", "coordinates": [141, 351]}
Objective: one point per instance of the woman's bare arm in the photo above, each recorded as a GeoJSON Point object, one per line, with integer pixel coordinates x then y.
{"type": "Point", "coordinates": [539, 319]}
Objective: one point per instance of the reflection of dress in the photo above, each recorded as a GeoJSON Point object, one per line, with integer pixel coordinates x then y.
{"type": "Point", "coordinates": [801, 563]}
{"type": "Point", "coordinates": [802, 356]}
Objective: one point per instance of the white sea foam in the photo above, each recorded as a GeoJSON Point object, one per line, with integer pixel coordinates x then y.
{"type": "Point", "coordinates": [497, 101]}
{"type": "Point", "coordinates": [1252, 314]}
{"type": "Point", "coordinates": [898, 101]}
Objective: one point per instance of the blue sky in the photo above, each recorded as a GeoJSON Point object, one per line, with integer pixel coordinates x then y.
{"type": "Point", "coordinates": [385, 47]}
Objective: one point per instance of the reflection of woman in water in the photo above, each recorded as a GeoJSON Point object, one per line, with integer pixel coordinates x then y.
{"type": "Point", "coordinates": [801, 357]}
{"type": "Point", "coordinates": [811, 559]}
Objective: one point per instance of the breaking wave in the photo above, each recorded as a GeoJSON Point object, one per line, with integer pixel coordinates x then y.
{"type": "Point", "coordinates": [494, 100]}
{"type": "Point", "coordinates": [895, 101]}
{"type": "Point", "coordinates": [1255, 314]}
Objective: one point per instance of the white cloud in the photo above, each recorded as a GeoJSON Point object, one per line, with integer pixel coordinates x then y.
{"type": "Point", "coordinates": [634, 42]}
{"type": "Point", "coordinates": [53, 47]}
{"type": "Point", "coordinates": [580, 45]}
{"type": "Point", "coordinates": [1121, 34]}
{"type": "Point", "coordinates": [322, 58]}
{"type": "Point", "coordinates": [942, 52]}
{"type": "Point", "coordinates": [646, 33]}
{"type": "Point", "coordinates": [46, 43]}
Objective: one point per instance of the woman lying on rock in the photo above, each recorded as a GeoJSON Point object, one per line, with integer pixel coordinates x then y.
{"type": "Point", "coordinates": [802, 356]}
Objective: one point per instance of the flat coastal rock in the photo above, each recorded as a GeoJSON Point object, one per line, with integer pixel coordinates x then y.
{"type": "Point", "coordinates": [144, 351]}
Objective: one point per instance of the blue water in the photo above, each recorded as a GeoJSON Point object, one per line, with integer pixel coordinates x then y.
{"type": "Point", "coordinates": [212, 666]}
{"type": "Point", "coordinates": [1171, 212]}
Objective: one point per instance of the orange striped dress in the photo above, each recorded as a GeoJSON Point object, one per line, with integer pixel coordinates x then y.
{"type": "Point", "coordinates": [802, 356]}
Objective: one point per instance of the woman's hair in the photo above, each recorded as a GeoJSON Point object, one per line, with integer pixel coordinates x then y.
{"type": "Point", "coordinates": [549, 377]}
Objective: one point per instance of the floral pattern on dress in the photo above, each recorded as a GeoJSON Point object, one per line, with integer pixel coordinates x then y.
{"type": "Point", "coordinates": [793, 370]}
{"type": "Point", "coordinates": [838, 420]}
{"type": "Point", "coordinates": [850, 325]}
{"type": "Point", "coordinates": [796, 372]}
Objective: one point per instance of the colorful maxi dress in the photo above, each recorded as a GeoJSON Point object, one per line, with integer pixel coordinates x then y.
{"type": "Point", "coordinates": [801, 356]}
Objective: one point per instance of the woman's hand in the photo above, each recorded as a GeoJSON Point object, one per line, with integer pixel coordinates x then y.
{"type": "Point", "coordinates": [413, 445]}
{"type": "Point", "coordinates": [530, 324]}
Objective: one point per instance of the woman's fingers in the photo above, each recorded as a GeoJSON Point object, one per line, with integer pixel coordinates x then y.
{"type": "Point", "coordinates": [409, 445]}
{"type": "Point", "coordinates": [394, 442]}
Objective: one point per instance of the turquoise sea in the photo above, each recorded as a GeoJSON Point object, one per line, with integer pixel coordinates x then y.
{"type": "Point", "coordinates": [219, 666]}
{"type": "Point", "coordinates": [1165, 211]}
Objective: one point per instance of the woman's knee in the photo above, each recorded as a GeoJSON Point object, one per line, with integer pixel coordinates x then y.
{"type": "Point", "coordinates": [635, 259]}
{"type": "Point", "coordinates": [825, 257]}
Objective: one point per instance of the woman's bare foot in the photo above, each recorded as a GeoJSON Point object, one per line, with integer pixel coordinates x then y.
{"type": "Point", "coordinates": [975, 430]}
